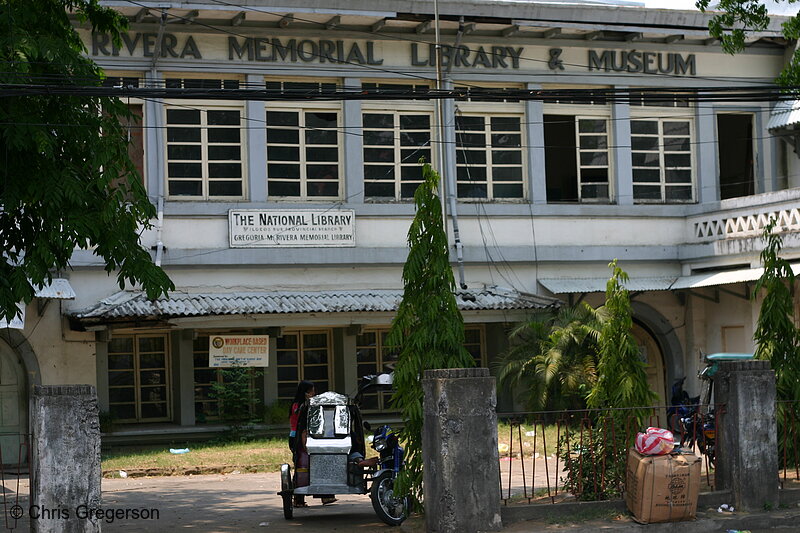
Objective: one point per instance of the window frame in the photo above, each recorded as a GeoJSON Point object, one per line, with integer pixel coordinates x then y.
{"type": "Point", "coordinates": [662, 115]}
{"type": "Point", "coordinates": [301, 109]}
{"type": "Point", "coordinates": [137, 385]}
{"type": "Point", "coordinates": [300, 365]}
{"type": "Point", "coordinates": [203, 107]}
{"type": "Point", "coordinates": [587, 112]}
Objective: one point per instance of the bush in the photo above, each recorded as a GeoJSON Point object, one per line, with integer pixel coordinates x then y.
{"type": "Point", "coordinates": [237, 401]}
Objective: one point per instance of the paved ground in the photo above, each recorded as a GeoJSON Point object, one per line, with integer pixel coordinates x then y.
{"type": "Point", "coordinates": [249, 503]}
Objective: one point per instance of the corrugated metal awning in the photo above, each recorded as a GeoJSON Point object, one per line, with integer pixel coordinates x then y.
{"type": "Point", "coordinates": [58, 289]}
{"type": "Point", "coordinates": [580, 285]}
{"type": "Point", "coordinates": [785, 115]}
{"type": "Point", "coordinates": [711, 279]}
{"type": "Point", "coordinates": [134, 304]}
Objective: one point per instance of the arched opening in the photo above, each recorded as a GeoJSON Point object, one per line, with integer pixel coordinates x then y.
{"type": "Point", "coordinates": [651, 355]}
{"type": "Point", "coordinates": [13, 406]}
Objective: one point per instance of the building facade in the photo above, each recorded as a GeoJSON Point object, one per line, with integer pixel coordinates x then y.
{"type": "Point", "coordinates": [287, 215]}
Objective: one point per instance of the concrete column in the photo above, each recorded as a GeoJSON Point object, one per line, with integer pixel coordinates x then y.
{"type": "Point", "coordinates": [353, 141]}
{"type": "Point", "coordinates": [256, 142]}
{"type": "Point", "coordinates": [622, 189]}
{"type": "Point", "coordinates": [271, 372]}
{"type": "Point", "coordinates": [706, 155]}
{"type": "Point", "coordinates": [183, 376]}
{"type": "Point", "coordinates": [459, 450]}
{"type": "Point", "coordinates": [747, 434]}
{"type": "Point", "coordinates": [66, 458]}
{"type": "Point", "coordinates": [534, 129]}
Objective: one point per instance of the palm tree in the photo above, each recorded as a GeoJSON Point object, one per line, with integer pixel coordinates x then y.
{"type": "Point", "coordinates": [553, 358]}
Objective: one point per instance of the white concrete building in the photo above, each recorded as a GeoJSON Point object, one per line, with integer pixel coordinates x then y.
{"type": "Point", "coordinates": [288, 217]}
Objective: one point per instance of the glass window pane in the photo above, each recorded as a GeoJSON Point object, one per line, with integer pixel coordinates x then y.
{"type": "Point", "coordinates": [378, 155]}
{"type": "Point", "coordinates": [223, 118]}
{"type": "Point", "coordinates": [415, 138]}
{"type": "Point", "coordinates": [224, 153]}
{"type": "Point", "coordinates": [120, 378]}
{"type": "Point", "coordinates": [473, 157]}
{"type": "Point", "coordinates": [470, 123]}
{"type": "Point", "coordinates": [594, 175]}
{"type": "Point", "coordinates": [468, 140]}
{"type": "Point", "coordinates": [677, 160]}
{"type": "Point", "coordinates": [183, 135]}
{"type": "Point", "coordinates": [282, 118]}
{"type": "Point", "coordinates": [323, 189]}
{"type": "Point", "coordinates": [154, 410]}
{"type": "Point", "coordinates": [185, 188]}
{"type": "Point", "coordinates": [379, 190]}
{"type": "Point", "coordinates": [676, 144]}
{"type": "Point", "coordinates": [644, 126]}
{"type": "Point", "coordinates": [283, 153]}
{"type": "Point", "coordinates": [407, 190]}
{"type": "Point", "coordinates": [283, 188]}
{"type": "Point", "coordinates": [592, 125]}
{"type": "Point", "coordinates": [127, 394]}
{"type": "Point", "coordinates": [644, 192]}
{"type": "Point", "coordinates": [471, 190]}
{"type": "Point", "coordinates": [225, 188]}
{"type": "Point", "coordinates": [506, 139]}
{"type": "Point", "coordinates": [678, 176]}
{"type": "Point", "coordinates": [321, 120]}
{"type": "Point", "coordinates": [379, 137]}
{"type": "Point", "coordinates": [322, 136]}
{"type": "Point", "coordinates": [471, 173]}
{"type": "Point", "coordinates": [277, 170]}
{"type": "Point", "coordinates": [679, 193]}
{"type": "Point", "coordinates": [183, 151]}
{"type": "Point", "coordinates": [676, 128]}
{"type": "Point", "coordinates": [594, 158]}
{"type": "Point", "coordinates": [415, 122]}
{"type": "Point", "coordinates": [120, 361]}
{"type": "Point", "coordinates": [123, 412]}
{"type": "Point", "coordinates": [374, 120]}
{"type": "Point", "coordinates": [507, 173]}
{"type": "Point", "coordinates": [646, 175]}
{"type": "Point", "coordinates": [278, 136]}
{"type": "Point", "coordinates": [183, 116]}
{"type": "Point", "coordinates": [120, 344]}
{"type": "Point", "coordinates": [646, 159]}
{"type": "Point", "coordinates": [223, 135]}
{"type": "Point", "coordinates": [152, 360]}
{"type": "Point", "coordinates": [505, 123]}
{"type": "Point", "coordinates": [644, 143]}
{"type": "Point", "coordinates": [287, 357]}
{"type": "Point", "coordinates": [506, 190]}
{"type": "Point", "coordinates": [185, 170]}
{"type": "Point", "coordinates": [322, 154]}
{"type": "Point", "coordinates": [322, 172]}
{"type": "Point", "coordinates": [378, 172]}
{"type": "Point", "coordinates": [224, 170]}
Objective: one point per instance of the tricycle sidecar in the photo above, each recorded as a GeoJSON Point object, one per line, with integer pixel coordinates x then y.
{"type": "Point", "coordinates": [332, 461]}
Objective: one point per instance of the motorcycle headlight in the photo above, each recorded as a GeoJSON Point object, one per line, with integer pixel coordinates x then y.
{"type": "Point", "coordinates": [379, 445]}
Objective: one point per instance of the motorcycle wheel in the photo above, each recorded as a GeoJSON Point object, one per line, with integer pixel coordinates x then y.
{"type": "Point", "coordinates": [288, 507]}
{"type": "Point", "coordinates": [392, 510]}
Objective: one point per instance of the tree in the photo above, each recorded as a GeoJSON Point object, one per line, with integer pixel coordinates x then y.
{"type": "Point", "coordinates": [553, 358]}
{"type": "Point", "coordinates": [738, 17]}
{"type": "Point", "coordinates": [66, 180]}
{"type": "Point", "coordinates": [777, 338]}
{"type": "Point", "coordinates": [621, 378]}
{"type": "Point", "coordinates": [428, 329]}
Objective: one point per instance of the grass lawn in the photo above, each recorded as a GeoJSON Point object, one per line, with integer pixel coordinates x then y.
{"type": "Point", "coordinates": [264, 455]}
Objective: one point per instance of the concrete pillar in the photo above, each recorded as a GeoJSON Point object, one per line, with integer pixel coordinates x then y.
{"type": "Point", "coordinates": [459, 450]}
{"type": "Point", "coordinates": [534, 129]}
{"type": "Point", "coordinates": [622, 189]}
{"type": "Point", "coordinates": [66, 459]}
{"type": "Point", "coordinates": [747, 434]}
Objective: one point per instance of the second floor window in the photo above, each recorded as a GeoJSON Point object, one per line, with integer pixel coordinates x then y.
{"type": "Point", "coordinates": [576, 158]}
{"type": "Point", "coordinates": [303, 159]}
{"type": "Point", "coordinates": [393, 144]}
{"type": "Point", "coordinates": [489, 157]}
{"type": "Point", "coordinates": [204, 153]}
{"type": "Point", "coordinates": [661, 151]}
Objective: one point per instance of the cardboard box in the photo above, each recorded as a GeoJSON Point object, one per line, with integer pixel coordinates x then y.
{"type": "Point", "coordinates": [662, 488]}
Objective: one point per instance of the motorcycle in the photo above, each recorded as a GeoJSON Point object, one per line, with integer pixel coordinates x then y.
{"type": "Point", "coordinates": [336, 461]}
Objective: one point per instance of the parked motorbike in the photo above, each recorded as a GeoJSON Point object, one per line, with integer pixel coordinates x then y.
{"type": "Point", "coordinates": [336, 463]}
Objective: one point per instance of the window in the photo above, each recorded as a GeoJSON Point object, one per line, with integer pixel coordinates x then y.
{"type": "Point", "coordinates": [489, 156]}
{"type": "Point", "coordinates": [204, 152]}
{"type": "Point", "coordinates": [303, 159]}
{"type": "Point", "coordinates": [473, 342]}
{"type": "Point", "coordinates": [393, 144]}
{"type": "Point", "coordinates": [374, 356]}
{"type": "Point", "coordinates": [138, 378]}
{"type": "Point", "coordinates": [735, 135]}
{"type": "Point", "coordinates": [661, 151]}
{"type": "Point", "coordinates": [303, 355]}
{"type": "Point", "coordinates": [206, 406]}
{"type": "Point", "coordinates": [576, 158]}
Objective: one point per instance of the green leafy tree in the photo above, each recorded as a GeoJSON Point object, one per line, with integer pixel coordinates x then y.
{"type": "Point", "coordinates": [237, 400]}
{"type": "Point", "coordinates": [776, 336]}
{"type": "Point", "coordinates": [553, 357]}
{"type": "Point", "coordinates": [66, 180]}
{"type": "Point", "coordinates": [737, 18]}
{"type": "Point", "coordinates": [428, 328]}
{"type": "Point", "coordinates": [621, 377]}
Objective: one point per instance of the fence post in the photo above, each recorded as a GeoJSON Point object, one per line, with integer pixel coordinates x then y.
{"type": "Point", "coordinates": [459, 449]}
{"type": "Point", "coordinates": [747, 434]}
{"type": "Point", "coordinates": [66, 459]}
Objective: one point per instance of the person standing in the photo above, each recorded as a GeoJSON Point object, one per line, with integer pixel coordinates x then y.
{"type": "Point", "coordinates": [305, 390]}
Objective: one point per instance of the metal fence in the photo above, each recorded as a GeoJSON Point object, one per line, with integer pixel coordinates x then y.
{"type": "Point", "coordinates": [787, 414]}
{"type": "Point", "coordinates": [16, 480]}
{"type": "Point", "coordinates": [555, 456]}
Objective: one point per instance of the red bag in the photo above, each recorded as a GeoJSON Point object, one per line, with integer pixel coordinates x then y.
{"type": "Point", "coordinates": [655, 441]}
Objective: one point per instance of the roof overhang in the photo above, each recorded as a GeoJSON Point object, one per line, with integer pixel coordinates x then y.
{"type": "Point", "coordinates": [713, 279]}
{"type": "Point", "coordinates": [134, 305]}
{"type": "Point", "coordinates": [57, 289]}
{"type": "Point", "coordinates": [581, 285]}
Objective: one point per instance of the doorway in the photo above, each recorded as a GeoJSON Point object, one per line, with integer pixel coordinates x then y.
{"type": "Point", "coordinates": [650, 353]}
